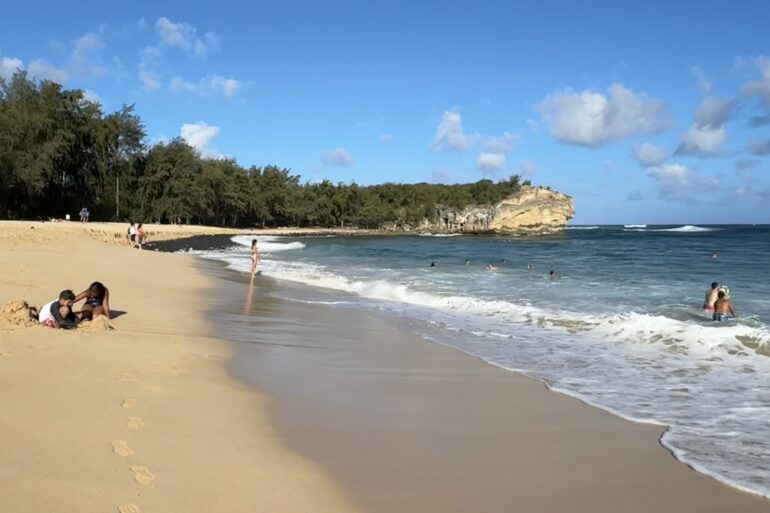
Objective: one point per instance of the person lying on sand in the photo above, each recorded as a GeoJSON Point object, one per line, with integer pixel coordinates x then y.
{"type": "Point", "coordinates": [97, 298]}
{"type": "Point", "coordinates": [58, 313]}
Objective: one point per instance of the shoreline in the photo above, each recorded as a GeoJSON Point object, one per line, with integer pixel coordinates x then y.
{"type": "Point", "coordinates": [327, 365]}
{"type": "Point", "coordinates": [346, 407]}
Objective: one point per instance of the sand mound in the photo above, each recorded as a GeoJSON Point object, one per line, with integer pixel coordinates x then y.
{"type": "Point", "coordinates": [100, 323]}
{"type": "Point", "coordinates": [18, 313]}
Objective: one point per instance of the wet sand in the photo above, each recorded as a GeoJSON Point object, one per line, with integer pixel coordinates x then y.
{"type": "Point", "coordinates": [403, 424]}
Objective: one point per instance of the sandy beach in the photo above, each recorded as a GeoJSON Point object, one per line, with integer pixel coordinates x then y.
{"type": "Point", "coordinates": [140, 418]}
{"type": "Point", "coordinates": [293, 408]}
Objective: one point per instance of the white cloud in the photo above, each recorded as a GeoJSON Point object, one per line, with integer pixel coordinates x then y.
{"type": "Point", "coordinates": [91, 96]}
{"type": "Point", "coordinates": [199, 135]}
{"type": "Point", "coordinates": [702, 141]}
{"type": "Point", "coordinates": [89, 42]}
{"type": "Point", "coordinates": [635, 196]}
{"type": "Point", "coordinates": [9, 66]}
{"type": "Point", "coordinates": [527, 167]}
{"type": "Point", "coordinates": [707, 133]}
{"type": "Point", "coordinates": [649, 155]}
{"type": "Point", "coordinates": [676, 182]}
{"type": "Point", "coordinates": [386, 138]}
{"type": "Point", "coordinates": [714, 111]}
{"type": "Point", "coordinates": [490, 163]}
{"type": "Point", "coordinates": [593, 119]}
{"type": "Point", "coordinates": [185, 36]}
{"type": "Point", "coordinates": [761, 87]}
{"type": "Point", "coordinates": [759, 147]}
{"type": "Point", "coordinates": [149, 80]}
{"type": "Point", "coordinates": [211, 85]}
{"type": "Point", "coordinates": [83, 62]}
{"type": "Point", "coordinates": [449, 134]}
{"type": "Point", "coordinates": [502, 144]}
{"type": "Point", "coordinates": [337, 157]}
{"type": "Point", "coordinates": [41, 69]}
{"type": "Point", "coordinates": [704, 84]}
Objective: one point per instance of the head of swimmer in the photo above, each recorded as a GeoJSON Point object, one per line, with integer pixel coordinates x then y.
{"type": "Point", "coordinates": [253, 243]}
{"type": "Point", "coordinates": [714, 285]}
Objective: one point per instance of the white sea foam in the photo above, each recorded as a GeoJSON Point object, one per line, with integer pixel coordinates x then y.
{"type": "Point", "coordinates": [582, 227]}
{"type": "Point", "coordinates": [634, 226]}
{"type": "Point", "coordinates": [267, 244]}
{"type": "Point", "coordinates": [688, 228]}
{"type": "Point", "coordinates": [440, 234]}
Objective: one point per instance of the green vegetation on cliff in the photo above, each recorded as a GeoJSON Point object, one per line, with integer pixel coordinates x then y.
{"type": "Point", "coordinates": [60, 151]}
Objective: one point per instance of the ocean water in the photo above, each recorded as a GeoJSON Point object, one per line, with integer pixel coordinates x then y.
{"type": "Point", "coordinates": [620, 328]}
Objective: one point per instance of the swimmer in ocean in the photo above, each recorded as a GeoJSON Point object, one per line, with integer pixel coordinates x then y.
{"type": "Point", "coordinates": [710, 299]}
{"type": "Point", "coordinates": [723, 307]}
{"type": "Point", "coordinates": [490, 267]}
{"type": "Point", "coordinates": [553, 276]}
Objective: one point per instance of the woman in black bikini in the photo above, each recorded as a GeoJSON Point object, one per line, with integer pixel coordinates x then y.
{"type": "Point", "coordinates": [97, 298]}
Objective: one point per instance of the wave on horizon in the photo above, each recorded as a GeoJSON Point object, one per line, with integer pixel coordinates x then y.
{"type": "Point", "coordinates": [688, 228]}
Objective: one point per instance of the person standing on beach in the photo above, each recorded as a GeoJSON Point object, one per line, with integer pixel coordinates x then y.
{"type": "Point", "coordinates": [140, 235]}
{"type": "Point", "coordinates": [710, 299]}
{"type": "Point", "coordinates": [132, 235]}
{"type": "Point", "coordinates": [254, 257]}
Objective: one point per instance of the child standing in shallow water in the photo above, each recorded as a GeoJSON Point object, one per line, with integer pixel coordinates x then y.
{"type": "Point", "coordinates": [254, 257]}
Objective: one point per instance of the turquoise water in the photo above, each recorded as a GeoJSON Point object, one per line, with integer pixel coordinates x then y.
{"type": "Point", "coordinates": [621, 327]}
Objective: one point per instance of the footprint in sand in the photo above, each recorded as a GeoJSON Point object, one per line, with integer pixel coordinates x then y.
{"type": "Point", "coordinates": [128, 508]}
{"type": "Point", "coordinates": [120, 448]}
{"type": "Point", "coordinates": [129, 403]}
{"type": "Point", "coordinates": [135, 423]}
{"type": "Point", "coordinates": [143, 475]}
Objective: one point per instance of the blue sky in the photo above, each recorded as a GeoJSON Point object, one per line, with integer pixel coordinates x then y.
{"type": "Point", "coordinates": [644, 112]}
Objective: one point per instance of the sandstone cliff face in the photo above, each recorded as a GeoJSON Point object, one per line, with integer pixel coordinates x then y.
{"type": "Point", "coordinates": [531, 210]}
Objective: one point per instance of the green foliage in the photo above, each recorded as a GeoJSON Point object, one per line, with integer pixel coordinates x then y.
{"type": "Point", "coordinates": [59, 152]}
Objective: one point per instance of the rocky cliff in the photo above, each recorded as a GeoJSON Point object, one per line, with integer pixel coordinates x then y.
{"type": "Point", "coordinates": [531, 210]}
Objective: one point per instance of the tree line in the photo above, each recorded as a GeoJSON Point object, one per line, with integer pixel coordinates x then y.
{"type": "Point", "coordinates": [59, 151]}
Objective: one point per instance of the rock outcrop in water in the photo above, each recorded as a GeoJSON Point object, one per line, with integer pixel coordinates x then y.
{"type": "Point", "coordinates": [533, 210]}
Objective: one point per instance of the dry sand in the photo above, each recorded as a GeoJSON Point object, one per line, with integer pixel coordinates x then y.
{"type": "Point", "coordinates": [139, 418]}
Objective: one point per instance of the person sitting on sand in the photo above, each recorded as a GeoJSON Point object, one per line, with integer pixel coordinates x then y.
{"type": "Point", "coordinates": [58, 313]}
{"type": "Point", "coordinates": [710, 299]}
{"type": "Point", "coordinates": [254, 257]}
{"type": "Point", "coordinates": [723, 307]}
{"type": "Point", "coordinates": [97, 298]}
